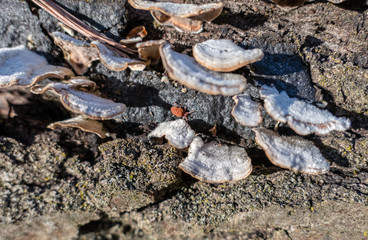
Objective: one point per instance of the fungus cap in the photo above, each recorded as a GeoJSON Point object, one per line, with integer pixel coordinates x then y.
{"type": "Point", "coordinates": [293, 153]}
{"type": "Point", "coordinates": [180, 24]}
{"type": "Point", "coordinates": [224, 55]}
{"type": "Point", "coordinates": [246, 111]}
{"type": "Point", "coordinates": [215, 163]}
{"type": "Point", "coordinates": [86, 125]}
{"type": "Point", "coordinates": [302, 117]}
{"type": "Point", "coordinates": [20, 66]}
{"type": "Point", "coordinates": [188, 72]}
{"type": "Point", "coordinates": [149, 50]}
{"type": "Point", "coordinates": [178, 133]}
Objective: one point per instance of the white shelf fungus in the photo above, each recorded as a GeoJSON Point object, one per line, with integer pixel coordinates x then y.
{"type": "Point", "coordinates": [149, 50]}
{"type": "Point", "coordinates": [224, 55]}
{"type": "Point", "coordinates": [246, 111]}
{"type": "Point", "coordinates": [79, 54]}
{"type": "Point", "coordinates": [293, 153]}
{"type": "Point", "coordinates": [215, 163]}
{"type": "Point", "coordinates": [180, 24]}
{"type": "Point", "coordinates": [178, 133]}
{"type": "Point", "coordinates": [86, 125]}
{"type": "Point", "coordinates": [188, 72]}
{"type": "Point", "coordinates": [81, 102]}
{"type": "Point", "coordinates": [302, 117]}
{"type": "Point", "coordinates": [115, 62]}
{"type": "Point", "coordinates": [20, 66]}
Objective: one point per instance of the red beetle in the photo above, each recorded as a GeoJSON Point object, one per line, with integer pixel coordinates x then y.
{"type": "Point", "coordinates": [180, 112]}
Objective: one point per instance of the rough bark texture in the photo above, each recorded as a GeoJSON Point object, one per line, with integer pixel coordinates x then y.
{"type": "Point", "coordinates": [67, 184]}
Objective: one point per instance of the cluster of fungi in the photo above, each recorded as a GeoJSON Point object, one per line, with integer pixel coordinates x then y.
{"type": "Point", "coordinates": [207, 72]}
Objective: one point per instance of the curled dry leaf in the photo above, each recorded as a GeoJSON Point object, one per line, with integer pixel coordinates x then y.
{"type": "Point", "coordinates": [246, 111]}
{"type": "Point", "coordinates": [293, 153]}
{"type": "Point", "coordinates": [86, 125]}
{"type": "Point", "coordinates": [215, 163]}
{"type": "Point", "coordinates": [81, 102]}
{"type": "Point", "coordinates": [224, 55]}
{"type": "Point", "coordinates": [204, 12]}
{"type": "Point", "coordinates": [302, 117]}
{"type": "Point", "coordinates": [149, 50]}
{"type": "Point", "coordinates": [115, 62]}
{"type": "Point", "coordinates": [187, 71]}
{"type": "Point", "coordinates": [20, 66]}
{"type": "Point", "coordinates": [180, 24]}
{"type": "Point", "coordinates": [79, 54]}
{"type": "Point", "coordinates": [178, 133]}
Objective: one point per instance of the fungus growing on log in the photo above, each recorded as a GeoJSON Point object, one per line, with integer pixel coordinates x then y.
{"type": "Point", "coordinates": [224, 55]}
{"type": "Point", "coordinates": [215, 163]}
{"type": "Point", "coordinates": [20, 66]}
{"type": "Point", "coordinates": [292, 153]}
{"type": "Point", "coordinates": [82, 102]}
{"type": "Point", "coordinates": [302, 117]}
{"type": "Point", "coordinates": [149, 50]}
{"type": "Point", "coordinates": [246, 111]}
{"type": "Point", "coordinates": [86, 125]}
{"type": "Point", "coordinates": [79, 54]}
{"type": "Point", "coordinates": [180, 24]}
{"type": "Point", "coordinates": [188, 72]}
{"type": "Point", "coordinates": [178, 133]}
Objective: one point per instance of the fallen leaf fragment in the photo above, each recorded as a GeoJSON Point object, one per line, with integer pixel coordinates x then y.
{"type": "Point", "coordinates": [188, 72]}
{"type": "Point", "coordinates": [86, 125]}
{"type": "Point", "coordinates": [302, 117]}
{"type": "Point", "coordinates": [115, 62]}
{"type": "Point", "coordinates": [292, 153]}
{"type": "Point", "coordinates": [20, 66]}
{"type": "Point", "coordinates": [224, 55]}
{"type": "Point", "coordinates": [246, 111]}
{"type": "Point", "coordinates": [214, 163]}
{"type": "Point", "coordinates": [178, 133]}
{"type": "Point", "coordinates": [180, 24]}
{"type": "Point", "coordinates": [82, 102]}
{"type": "Point", "coordinates": [149, 50]}
{"type": "Point", "coordinates": [79, 54]}
{"type": "Point", "coordinates": [204, 12]}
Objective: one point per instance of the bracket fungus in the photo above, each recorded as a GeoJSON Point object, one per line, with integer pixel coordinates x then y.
{"type": "Point", "coordinates": [188, 72]}
{"type": "Point", "coordinates": [79, 54]}
{"type": "Point", "coordinates": [224, 55]}
{"type": "Point", "coordinates": [149, 50]}
{"type": "Point", "coordinates": [82, 102]}
{"type": "Point", "coordinates": [178, 133]}
{"type": "Point", "coordinates": [20, 66]}
{"type": "Point", "coordinates": [246, 111]}
{"type": "Point", "coordinates": [215, 163]}
{"type": "Point", "coordinates": [302, 117]}
{"type": "Point", "coordinates": [293, 153]}
{"type": "Point", "coordinates": [86, 125]}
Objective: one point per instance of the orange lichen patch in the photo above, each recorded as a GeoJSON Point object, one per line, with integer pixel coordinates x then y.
{"type": "Point", "coordinates": [246, 111]}
{"type": "Point", "coordinates": [292, 153]}
{"type": "Point", "coordinates": [79, 54]}
{"type": "Point", "coordinates": [180, 24]}
{"type": "Point", "coordinates": [187, 71]}
{"type": "Point", "coordinates": [20, 66]}
{"type": "Point", "coordinates": [139, 31]}
{"type": "Point", "coordinates": [149, 50]}
{"type": "Point", "coordinates": [114, 61]}
{"type": "Point", "coordinates": [204, 12]}
{"type": "Point", "coordinates": [81, 102]}
{"type": "Point", "coordinates": [216, 163]}
{"type": "Point", "coordinates": [86, 125]}
{"type": "Point", "coordinates": [224, 55]}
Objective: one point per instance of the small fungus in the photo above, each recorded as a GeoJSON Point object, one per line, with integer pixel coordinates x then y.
{"type": "Point", "coordinates": [180, 24]}
{"type": "Point", "coordinates": [115, 62]}
{"type": "Point", "coordinates": [82, 102]}
{"type": "Point", "coordinates": [224, 55]}
{"type": "Point", "coordinates": [215, 163]}
{"type": "Point", "coordinates": [86, 125]}
{"type": "Point", "coordinates": [79, 54]}
{"type": "Point", "coordinates": [139, 31]}
{"type": "Point", "coordinates": [187, 71]}
{"type": "Point", "coordinates": [302, 117]}
{"type": "Point", "coordinates": [178, 133]}
{"type": "Point", "coordinates": [149, 50]}
{"type": "Point", "coordinates": [288, 4]}
{"type": "Point", "coordinates": [246, 111]}
{"type": "Point", "coordinates": [292, 153]}
{"type": "Point", "coordinates": [20, 66]}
